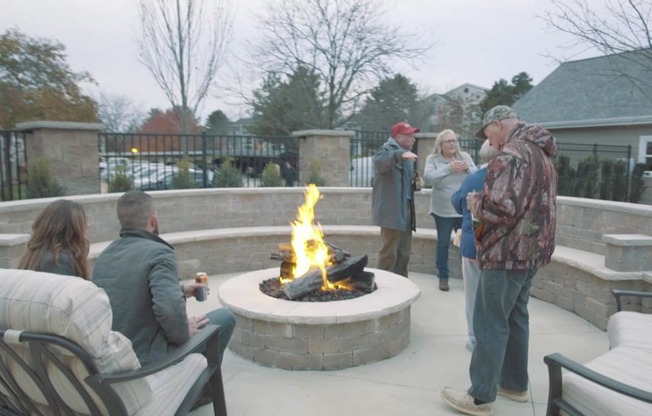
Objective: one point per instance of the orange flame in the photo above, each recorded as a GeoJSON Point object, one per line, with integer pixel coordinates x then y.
{"type": "Point", "coordinates": [308, 245]}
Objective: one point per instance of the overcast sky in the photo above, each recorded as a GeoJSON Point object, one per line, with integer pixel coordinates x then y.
{"type": "Point", "coordinates": [479, 42]}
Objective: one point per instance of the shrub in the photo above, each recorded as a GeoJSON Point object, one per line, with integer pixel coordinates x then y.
{"type": "Point", "coordinates": [41, 183]}
{"type": "Point", "coordinates": [120, 182]}
{"type": "Point", "coordinates": [587, 172]}
{"type": "Point", "coordinates": [638, 185]}
{"type": "Point", "coordinates": [227, 176]}
{"type": "Point", "coordinates": [314, 173]}
{"type": "Point", "coordinates": [606, 179]}
{"type": "Point", "coordinates": [620, 181]}
{"type": "Point", "coordinates": [271, 176]}
{"type": "Point", "coordinates": [181, 179]}
{"type": "Point", "coordinates": [565, 176]}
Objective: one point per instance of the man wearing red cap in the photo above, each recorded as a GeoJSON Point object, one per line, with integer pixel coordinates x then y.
{"type": "Point", "coordinates": [393, 198]}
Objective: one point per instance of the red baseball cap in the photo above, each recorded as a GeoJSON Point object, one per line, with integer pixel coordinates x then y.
{"type": "Point", "coordinates": [403, 128]}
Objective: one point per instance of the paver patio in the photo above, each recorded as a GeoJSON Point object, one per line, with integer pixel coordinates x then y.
{"type": "Point", "coordinates": [409, 383]}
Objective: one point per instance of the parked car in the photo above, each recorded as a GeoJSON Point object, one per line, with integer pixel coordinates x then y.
{"type": "Point", "coordinates": [164, 179]}
{"type": "Point", "coordinates": [362, 171]}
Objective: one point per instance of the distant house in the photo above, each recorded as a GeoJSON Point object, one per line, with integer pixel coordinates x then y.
{"type": "Point", "coordinates": [603, 100]}
{"type": "Point", "coordinates": [457, 109]}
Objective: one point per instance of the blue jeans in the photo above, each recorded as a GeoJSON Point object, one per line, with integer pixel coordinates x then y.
{"type": "Point", "coordinates": [225, 319]}
{"type": "Point", "coordinates": [445, 226]}
{"type": "Point", "coordinates": [502, 333]}
{"type": "Point", "coordinates": [471, 278]}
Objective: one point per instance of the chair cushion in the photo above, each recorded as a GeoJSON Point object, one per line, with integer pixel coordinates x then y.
{"type": "Point", "coordinates": [631, 366]}
{"type": "Point", "coordinates": [630, 329]}
{"type": "Point", "coordinates": [171, 385]}
{"type": "Point", "coordinates": [76, 309]}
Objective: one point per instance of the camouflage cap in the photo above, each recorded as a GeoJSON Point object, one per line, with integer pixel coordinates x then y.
{"type": "Point", "coordinates": [499, 112]}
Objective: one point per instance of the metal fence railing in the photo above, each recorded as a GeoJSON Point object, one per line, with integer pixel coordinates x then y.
{"type": "Point", "coordinates": [152, 161]}
{"type": "Point", "coordinates": [364, 144]}
{"type": "Point", "coordinates": [13, 165]}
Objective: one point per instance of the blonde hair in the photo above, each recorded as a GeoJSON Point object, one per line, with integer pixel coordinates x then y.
{"type": "Point", "coordinates": [61, 226]}
{"type": "Point", "coordinates": [440, 138]}
{"type": "Point", "coordinates": [487, 151]}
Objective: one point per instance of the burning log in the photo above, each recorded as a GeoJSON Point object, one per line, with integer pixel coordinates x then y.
{"type": "Point", "coordinates": [313, 279]}
{"type": "Point", "coordinates": [364, 282]}
{"type": "Point", "coordinates": [285, 254]}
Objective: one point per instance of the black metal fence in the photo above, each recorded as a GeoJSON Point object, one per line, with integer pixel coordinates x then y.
{"type": "Point", "coordinates": [365, 143]}
{"type": "Point", "coordinates": [13, 165]}
{"type": "Point", "coordinates": [152, 161]}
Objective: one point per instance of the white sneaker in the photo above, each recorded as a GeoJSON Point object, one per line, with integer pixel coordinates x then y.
{"type": "Point", "coordinates": [517, 396]}
{"type": "Point", "coordinates": [461, 401]}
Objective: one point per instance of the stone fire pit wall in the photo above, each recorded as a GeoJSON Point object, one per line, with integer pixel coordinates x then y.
{"type": "Point", "coordinates": [319, 335]}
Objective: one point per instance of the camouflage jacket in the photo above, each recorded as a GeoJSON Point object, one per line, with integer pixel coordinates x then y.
{"type": "Point", "coordinates": [517, 205]}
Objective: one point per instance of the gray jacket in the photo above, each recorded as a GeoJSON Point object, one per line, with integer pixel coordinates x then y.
{"type": "Point", "coordinates": [438, 174]}
{"type": "Point", "coordinates": [392, 187]}
{"type": "Point", "coordinates": [139, 274]}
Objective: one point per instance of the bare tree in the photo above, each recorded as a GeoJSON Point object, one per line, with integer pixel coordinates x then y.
{"type": "Point", "coordinates": [118, 114]}
{"type": "Point", "coordinates": [182, 43]}
{"type": "Point", "coordinates": [346, 42]}
{"type": "Point", "coordinates": [615, 27]}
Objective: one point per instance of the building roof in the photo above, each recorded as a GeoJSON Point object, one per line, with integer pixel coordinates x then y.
{"type": "Point", "coordinates": [609, 90]}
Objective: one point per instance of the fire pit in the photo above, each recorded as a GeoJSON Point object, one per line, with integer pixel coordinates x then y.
{"type": "Point", "coordinates": [319, 335]}
{"type": "Point", "coordinates": [326, 333]}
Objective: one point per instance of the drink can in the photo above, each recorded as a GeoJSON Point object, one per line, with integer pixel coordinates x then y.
{"type": "Point", "coordinates": [200, 292]}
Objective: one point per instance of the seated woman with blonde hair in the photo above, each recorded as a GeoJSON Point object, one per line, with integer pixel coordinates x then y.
{"type": "Point", "coordinates": [59, 242]}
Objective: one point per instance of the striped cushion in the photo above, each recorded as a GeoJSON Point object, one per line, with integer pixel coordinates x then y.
{"type": "Point", "coordinates": [80, 311]}
{"type": "Point", "coordinates": [171, 385]}
{"type": "Point", "coordinates": [631, 366]}
{"type": "Point", "coordinates": [630, 329]}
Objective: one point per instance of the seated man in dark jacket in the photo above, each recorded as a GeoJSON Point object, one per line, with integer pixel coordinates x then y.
{"type": "Point", "coordinates": [139, 274]}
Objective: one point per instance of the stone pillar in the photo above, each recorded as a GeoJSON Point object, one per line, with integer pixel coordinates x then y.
{"type": "Point", "coordinates": [330, 150]}
{"type": "Point", "coordinates": [628, 252]}
{"type": "Point", "coordinates": [71, 148]}
{"type": "Point", "coordinates": [425, 144]}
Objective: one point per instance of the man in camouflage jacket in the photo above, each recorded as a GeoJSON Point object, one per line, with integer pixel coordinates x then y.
{"type": "Point", "coordinates": [516, 236]}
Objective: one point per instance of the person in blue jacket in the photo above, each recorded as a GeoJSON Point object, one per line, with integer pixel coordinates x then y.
{"type": "Point", "coordinates": [470, 270]}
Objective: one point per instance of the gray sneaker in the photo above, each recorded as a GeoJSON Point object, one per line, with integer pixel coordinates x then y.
{"type": "Point", "coordinates": [517, 396]}
{"type": "Point", "coordinates": [461, 401]}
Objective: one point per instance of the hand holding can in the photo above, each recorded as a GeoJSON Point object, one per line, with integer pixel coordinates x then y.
{"type": "Point", "coordinates": [200, 292]}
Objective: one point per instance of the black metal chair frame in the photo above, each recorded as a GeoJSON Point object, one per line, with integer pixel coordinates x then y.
{"type": "Point", "coordinates": [43, 351]}
{"type": "Point", "coordinates": [557, 361]}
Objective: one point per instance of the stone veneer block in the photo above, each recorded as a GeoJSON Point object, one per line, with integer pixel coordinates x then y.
{"type": "Point", "coordinates": [319, 335]}
{"type": "Point", "coordinates": [12, 247]}
{"type": "Point", "coordinates": [628, 252]}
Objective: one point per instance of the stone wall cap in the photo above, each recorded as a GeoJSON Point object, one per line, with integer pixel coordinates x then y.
{"type": "Point", "coordinates": [326, 133]}
{"type": "Point", "coordinates": [627, 239]}
{"type": "Point", "coordinates": [13, 239]}
{"type": "Point", "coordinates": [58, 125]}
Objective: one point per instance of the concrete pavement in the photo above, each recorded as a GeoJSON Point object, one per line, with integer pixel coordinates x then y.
{"type": "Point", "coordinates": [409, 383]}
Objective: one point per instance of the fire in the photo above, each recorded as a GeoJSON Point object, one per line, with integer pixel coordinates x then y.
{"type": "Point", "coordinates": [308, 245]}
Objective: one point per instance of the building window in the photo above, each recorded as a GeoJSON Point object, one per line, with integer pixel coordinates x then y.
{"type": "Point", "coordinates": [645, 152]}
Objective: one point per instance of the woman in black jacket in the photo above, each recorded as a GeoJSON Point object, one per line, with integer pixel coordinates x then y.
{"type": "Point", "coordinates": [59, 242]}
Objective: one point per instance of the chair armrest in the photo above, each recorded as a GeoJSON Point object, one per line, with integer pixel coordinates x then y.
{"type": "Point", "coordinates": [619, 292]}
{"type": "Point", "coordinates": [556, 361]}
{"type": "Point", "coordinates": [196, 343]}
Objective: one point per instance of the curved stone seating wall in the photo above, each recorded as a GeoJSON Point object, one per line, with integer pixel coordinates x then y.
{"type": "Point", "coordinates": [207, 209]}
{"type": "Point", "coordinates": [229, 230]}
{"type": "Point", "coordinates": [242, 249]}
